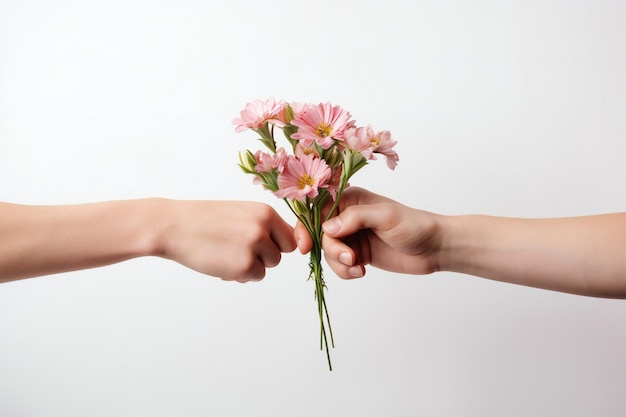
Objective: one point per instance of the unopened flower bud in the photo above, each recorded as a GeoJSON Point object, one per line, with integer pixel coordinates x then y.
{"type": "Point", "coordinates": [247, 162]}
{"type": "Point", "coordinates": [333, 156]}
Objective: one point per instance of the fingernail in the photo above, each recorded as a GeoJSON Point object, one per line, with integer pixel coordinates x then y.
{"type": "Point", "coordinates": [345, 258]}
{"type": "Point", "coordinates": [355, 271]}
{"type": "Point", "coordinates": [332, 226]}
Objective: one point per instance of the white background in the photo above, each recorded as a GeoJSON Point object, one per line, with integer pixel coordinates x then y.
{"type": "Point", "coordinates": [503, 108]}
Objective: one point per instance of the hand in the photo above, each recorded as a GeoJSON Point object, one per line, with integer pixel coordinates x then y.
{"type": "Point", "coordinates": [233, 240]}
{"type": "Point", "coordinates": [372, 229]}
{"type": "Point", "coordinates": [579, 255]}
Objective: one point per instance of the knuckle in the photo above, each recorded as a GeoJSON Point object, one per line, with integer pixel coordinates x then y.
{"type": "Point", "coordinates": [264, 212]}
{"type": "Point", "coordinates": [254, 233]}
{"type": "Point", "coordinates": [274, 260]}
{"type": "Point", "coordinates": [250, 268]}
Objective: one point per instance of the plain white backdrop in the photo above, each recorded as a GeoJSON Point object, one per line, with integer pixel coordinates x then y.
{"type": "Point", "coordinates": [511, 108]}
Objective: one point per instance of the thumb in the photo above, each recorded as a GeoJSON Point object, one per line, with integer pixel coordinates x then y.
{"type": "Point", "coordinates": [353, 219]}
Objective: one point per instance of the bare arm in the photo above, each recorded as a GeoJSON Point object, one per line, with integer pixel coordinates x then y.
{"type": "Point", "coordinates": [231, 240]}
{"type": "Point", "coordinates": [581, 255]}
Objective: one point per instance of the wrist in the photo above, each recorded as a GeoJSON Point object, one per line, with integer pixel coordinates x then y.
{"type": "Point", "coordinates": [456, 236]}
{"type": "Point", "coordinates": [428, 234]}
{"type": "Point", "coordinates": [152, 224]}
{"type": "Point", "coordinates": [147, 222]}
{"type": "Point", "coordinates": [474, 244]}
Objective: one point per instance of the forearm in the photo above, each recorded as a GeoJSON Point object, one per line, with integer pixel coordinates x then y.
{"type": "Point", "coordinates": [41, 240]}
{"type": "Point", "coordinates": [581, 255]}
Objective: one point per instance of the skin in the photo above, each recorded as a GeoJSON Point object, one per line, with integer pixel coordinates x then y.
{"type": "Point", "coordinates": [579, 255]}
{"type": "Point", "coordinates": [233, 240]}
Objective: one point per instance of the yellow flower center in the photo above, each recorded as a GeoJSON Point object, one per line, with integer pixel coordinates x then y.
{"type": "Point", "coordinates": [305, 180]}
{"type": "Point", "coordinates": [323, 130]}
{"type": "Point", "coordinates": [375, 141]}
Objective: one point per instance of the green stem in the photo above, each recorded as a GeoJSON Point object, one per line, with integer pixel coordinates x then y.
{"type": "Point", "coordinates": [320, 286]}
{"type": "Point", "coordinates": [330, 329]}
{"type": "Point", "coordinates": [325, 327]}
{"type": "Point", "coordinates": [313, 224]}
{"type": "Point", "coordinates": [340, 190]}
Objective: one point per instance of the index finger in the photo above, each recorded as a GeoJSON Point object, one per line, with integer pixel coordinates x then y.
{"type": "Point", "coordinates": [283, 235]}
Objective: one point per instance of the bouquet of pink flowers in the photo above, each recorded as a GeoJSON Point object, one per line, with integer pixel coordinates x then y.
{"type": "Point", "coordinates": [326, 149]}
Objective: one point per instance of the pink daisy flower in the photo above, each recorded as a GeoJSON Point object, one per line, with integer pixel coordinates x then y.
{"type": "Point", "coordinates": [383, 144]}
{"type": "Point", "coordinates": [258, 112]}
{"type": "Point", "coordinates": [289, 111]}
{"type": "Point", "coordinates": [301, 149]}
{"type": "Point", "coordinates": [359, 139]}
{"type": "Point", "coordinates": [297, 108]}
{"type": "Point", "coordinates": [303, 177]}
{"type": "Point", "coordinates": [321, 124]}
{"type": "Point", "coordinates": [267, 162]}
